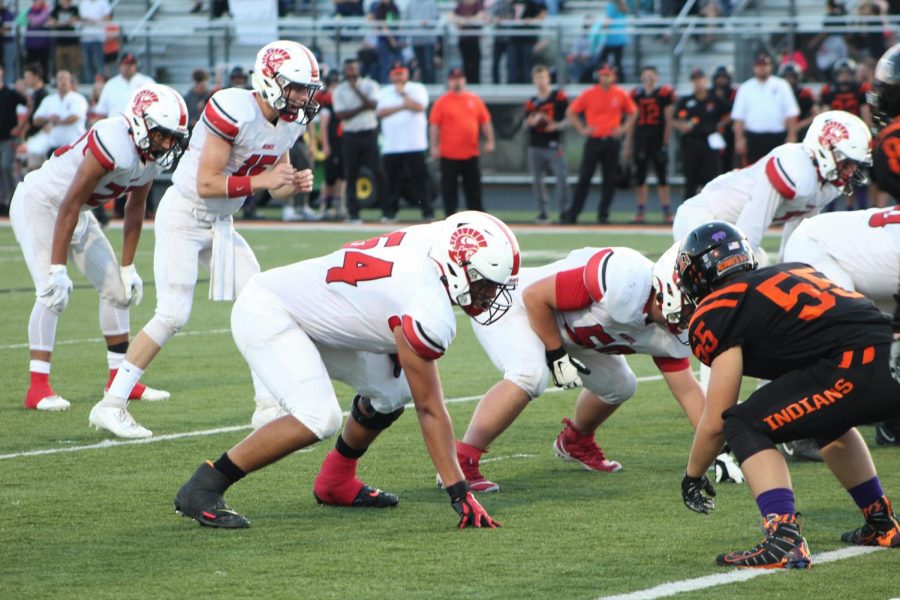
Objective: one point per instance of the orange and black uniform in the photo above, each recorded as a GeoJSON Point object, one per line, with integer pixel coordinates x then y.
{"type": "Point", "coordinates": [848, 96]}
{"type": "Point", "coordinates": [700, 163]}
{"type": "Point", "coordinates": [886, 159]}
{"type": "Point", "coordinates": [806, 100]}
{"type": "Point", "coordinates": [825, 349]}
{"type": "Point", "coordinates": [334, 165]}
{"type": "Point", "coordinates": [649, 130]}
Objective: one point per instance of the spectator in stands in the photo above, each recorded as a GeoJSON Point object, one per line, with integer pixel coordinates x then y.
{"type": "Point", "coordinates": [354, 101]}
{"type": "Point", "coordinates": [469, 16]}
{"type": "Point", "coordinates": [238, 78]}
{"type": "Point", "coordinates": [500, 11]}
{"type": "Point", "coordinates": [93, 15]}
{"type": "Point", "coordinates": [830, 45]}
{"type": "Point", "coordinates": [424, 14]}
{"type": "Point", "coordinates": [457, 121]}
{"type": "Point", "coordinates": [872, 43]}
{"type": "Point", "coordinates": [348, 8]}
{"type": "Point", "coordinates": [609, 116]}
{"type": "Point", "coordinates": [390, 48]}
{"type": "Point", "coordinates": [10, 47]}
{"type": "Point", "coordinates": [62, 118]}
{"type": "Point", "coordinates": [10, 130]}
{"type": "Point", "coordinates": [37, 91]}
{"type": "Point", "coordinates": [608, 37]}
{"type": "Point", "coordinates": [37, 42]}
{"type": "Point", "coordinates": [196, 97]}
{"type": "Point", "coordinates": [725, 91]}
{"type": "Point", "coordinates": [118, 90]}
{"type": "Point", "coordinates": [545, 117]}
{"type": "Point", "coordinates": [764, 113]}
{"type": "Point", "coordinates": [332, 204]}
{"type": "Point", "coordinates": [63, 19]}
{"type": "Point", "coordinates": [527, 15]}
{"type": "Point", "coordinates": [580, 61]}
{"type": "Point", "coordinates": [804, 96]}
{"type": "Point", "coordinates": [404, 141]}
{"type": "Point", "coordinates": [655, 106]}
{"type": "Point", "coordinates": [699, 119]}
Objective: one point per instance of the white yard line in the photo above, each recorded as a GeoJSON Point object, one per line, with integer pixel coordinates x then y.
{"type": "Point", "coordinates": [96, 340]}
{"type": "Point", "coordinates": [733, 576]}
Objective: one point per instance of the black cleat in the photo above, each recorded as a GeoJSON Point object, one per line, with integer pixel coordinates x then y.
{"type": "Point", "coordinates": [201, 499]}
{"type": "Point", "coordinates": [881, 527]}
{"type": "Point", "coordinates": [367, 497]}
{"type": "Point", "coordinates": [802, 450]}
{"type": "Point", "coordinates": [886, 433]}
{"type": "Point", "coordinates": [782, 548]}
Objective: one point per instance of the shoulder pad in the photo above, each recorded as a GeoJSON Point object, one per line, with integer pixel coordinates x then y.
{"type": "Point", "coordinates": [111, 143]}
{"type": "Point", "coordinates": [227, 110]}
{"type": "Point", "coordinates": [666, 90]}
{"type": "Point", "coordinates": [621, 278]}
{"type": "Point", "coordinates": [791, 171]}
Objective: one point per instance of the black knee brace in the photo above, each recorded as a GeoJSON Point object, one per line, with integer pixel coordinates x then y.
{"type": "Point", "coordinates": [365, 414]}
{"type": "Point", "coordinates": [744, 440]}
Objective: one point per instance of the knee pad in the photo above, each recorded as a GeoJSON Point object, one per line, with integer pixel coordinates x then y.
{"type": "Point", "coordinates": [621, 392]}
{"type": "Point", "coordinates": [744, 440]}
{"type": "Point", "coordinates": [365, 414]}
{"type": "Point", "coordinates": [162, 328]}
{"type": "Point", "coordinates": [532, 380]}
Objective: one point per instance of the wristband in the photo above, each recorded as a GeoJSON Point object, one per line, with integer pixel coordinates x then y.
{"type": "Point", "coordinates": [458, 490]}
{"type": "Point", "coordinates": [238, 187]}
{"type": "Point", "coordinates": [554, 355]}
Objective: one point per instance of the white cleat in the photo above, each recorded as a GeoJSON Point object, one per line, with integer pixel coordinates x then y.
{"type": "Point", "coordinates": [267, 410]}
{"type": "Point", "coordinates": [53, 403]}
{"type": "Point", "coordinates": [118, 421]}
{"type": "Point", "coordinates": [153, 395]}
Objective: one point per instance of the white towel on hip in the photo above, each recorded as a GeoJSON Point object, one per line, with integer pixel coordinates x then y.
{"type": "Point", "coordinates": [221, 264]}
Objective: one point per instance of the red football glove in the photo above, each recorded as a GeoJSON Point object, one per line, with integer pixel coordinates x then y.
{"type": "Point", "coordinates": [470, 512]}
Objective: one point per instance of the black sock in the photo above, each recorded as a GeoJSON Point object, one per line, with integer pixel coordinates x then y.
{"type": "Point", "coordinates": [346, 451]}
{"type": "Point", "coordinates": [231, 471]}
{"type": "Point", "coordinates": [120, 348]}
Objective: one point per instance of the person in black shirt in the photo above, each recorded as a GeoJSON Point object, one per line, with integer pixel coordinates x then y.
{"type": "Point", "coordinates": [806, 100]}
{"type": "Point", "coordinates": [521, 47]}
{"type": "Point", "coordinates": [845, 92]}
{"type": "Point", "coordinates": [726, 92]}
{"type": "Point", "coordinates": [655, 106]}
{"type": "Point", "coordinates": [697, 117]}
{"type": "Point", "coordinates": [825, 350]}
{"type": "Point", "coordinates": [545, 117]}
{"type": "Point", "coordinates": [34, 81]}
{"type": "Point", "coordinates": [330, 136]}
{"type": "Point", "coordinates": [10, 130]}
{"type": "Point", "coordinates": [64, 18]}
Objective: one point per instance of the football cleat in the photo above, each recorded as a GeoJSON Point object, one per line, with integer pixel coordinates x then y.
{"type": "Point", "coordinates": [118, 421]}
{"type": "Point", "coordinates": [44, 398]}
{"type": "Point", "coordinates": [201, 499]}
{"type": "Point", "coordinates": [782, 548]}
{"type": "Point", "coordinates": [886, 433]}
{"type": "Point", "coordinates": [801, 450]}
{"type": "Point", "coordinates": [367, 497]}
{"type": "Point", "coordinates": [575, 446]}
{"type": "Point", "coordinates": [881, 527]}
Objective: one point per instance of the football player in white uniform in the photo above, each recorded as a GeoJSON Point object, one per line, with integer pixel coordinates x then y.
{"type": "Point", "coordinates": [51, 219]}
{"type": "Point", "coordinates": [240, 147]}
{"type": "Point", "coordinates": [377, 315]}
{"type": "Point", "coordinates": [574, 319]}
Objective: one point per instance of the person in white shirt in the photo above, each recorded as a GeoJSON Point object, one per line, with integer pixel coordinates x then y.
{"type": "Point", "coordinates": [404, 140]}
{"type": "Point", "coordinates": [62, 117]}
{"type": "Point", "coordinates": [92, 14]}
{"type": "Point", "coordinates": [764, 113]}
{"type": "Point", "coordinates": [114, 97]}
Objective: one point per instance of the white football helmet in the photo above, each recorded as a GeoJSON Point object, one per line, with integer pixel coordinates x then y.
{"type": "Point", "coordinates": [158, 109]}
{"type": "Point", "coordinates": [668, 296]}
{"type": "Point", "coordinates": [479, 260]}
{"type": "Point", "coordinates": [836, 136]}
{"type": "Point", "coordinates": [281, 65]}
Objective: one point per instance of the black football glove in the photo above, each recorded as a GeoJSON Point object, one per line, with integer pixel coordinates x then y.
{"type": "Point", "coordinates": [471, 513]}
{"type": "Point", "coordinates": [692, 492]}
{"type": "Point", "coordinates": [565, 369]}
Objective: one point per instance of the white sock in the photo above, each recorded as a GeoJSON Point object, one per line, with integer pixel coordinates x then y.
{"type": "Point", "coordinates": [39, 366]}
{"type": "Point", "coordinates": [114, 359]}
{"type": "Point", "coordinates": [124, 381]}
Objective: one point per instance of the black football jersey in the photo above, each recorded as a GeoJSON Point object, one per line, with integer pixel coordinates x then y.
{"type": "Point", "coordinates": [784, 318]}
{"type": "Point", "coordinates": [651, 110]}
{"type": "Point", "coordinates": [886, 159]}
{"type": "Point", "coordinates": [847, 96]}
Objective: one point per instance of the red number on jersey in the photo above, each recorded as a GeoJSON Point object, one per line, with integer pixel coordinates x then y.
{"type": "Point", "coordinates": [256, 164]}
{"type": "Point", "coordinates": [115, 191]}
{"type": "Point", "coordinates": [391, 240]}
{"type": "Point", "coordinates": [359, 267]}
{"type": "Point", "coordinates": [590, 337]}
{"type": "Point", "coordinates": [888, 216]}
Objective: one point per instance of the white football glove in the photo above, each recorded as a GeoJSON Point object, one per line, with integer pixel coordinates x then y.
{"type": "Point", "coordinates": [55, 295]}
{"type": "Point", "coordinates": [565, 369]}
{"type": "Point", "coordinates": [727, 469]}
{"type": "Point", "coordinates": [134, 286]}
{"type": "Point", "coordinates": [895, 359]}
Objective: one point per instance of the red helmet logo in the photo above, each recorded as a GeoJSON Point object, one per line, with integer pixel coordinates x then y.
{"type": "Point", "coordinates": [142, 100]}
{"type": "Point", "coordinates": [832, 133]}
{"type": "Point", "coordinates": [272, 60]}
{"type": "Point", "coordinates": [464, 243]}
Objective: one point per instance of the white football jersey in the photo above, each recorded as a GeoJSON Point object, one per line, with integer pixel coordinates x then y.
{"type": "Point", "coordinates": [353, 298]}
{"type": "Point", "coordinates": [256, 144]}
{"type": "Point", "coordinates": [110, 142]}
{"type": "Point", "coordinates": [618, 281]}
{"type": "Point", "coordinates": [782, 186]}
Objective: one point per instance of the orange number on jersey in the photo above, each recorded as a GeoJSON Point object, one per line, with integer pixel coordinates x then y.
{"type": "Point", "coordinates": [818, 288]}
{"type": "Point", "coordinates": [359, 267]}
{"type": "Point", "coordinates": [649, 112]}
{"type": "Point", "coordinates": [888, 216]}
{"type": "Point", "coordinates": [704, 342]}
{"type": "Point", "coordinates": [256, 164]}
{"type": "Point", "coordinates": [891, 149]}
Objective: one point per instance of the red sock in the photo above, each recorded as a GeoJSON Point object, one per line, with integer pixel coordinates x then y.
{"type": "Point", "coordinates": [469, 451]}
{"type": "Point", "coordinates": [336, 482]}
{"type": "Point", "coordinates": [136, 392]}
{"type": "Point", "coordinates": [38, 390]}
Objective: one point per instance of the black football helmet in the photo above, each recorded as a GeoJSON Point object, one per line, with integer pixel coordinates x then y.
{"type": "Point", "coordinates": [884, 97]}
{"type": "Point", "coordinates": [789, 69]}
{"type": "Point", "coordinates": [845, 65]}
{"type": "Point", "coordinates": [709, 254]}
{"type": "Point", "coordinates": [722, 71]}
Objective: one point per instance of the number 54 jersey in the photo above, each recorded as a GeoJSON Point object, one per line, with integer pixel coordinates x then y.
{"type": "Point", "coordinates": [256, 144]}
{"type": "Point", "coordinates": [353, 299]}
{"type": "Point", "coordinates": [784, 318]}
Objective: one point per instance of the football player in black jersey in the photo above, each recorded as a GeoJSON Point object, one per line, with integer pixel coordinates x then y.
{"type": "Point", "coordinates": [825, 350]}
{"type": "Point", "coordinates": [806, 100]}
{"type": "Point", "coordinates": [655, 104]}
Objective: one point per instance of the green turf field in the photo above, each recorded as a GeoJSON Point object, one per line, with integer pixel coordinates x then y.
{"type": "Point", "coordinates": [98, 523]}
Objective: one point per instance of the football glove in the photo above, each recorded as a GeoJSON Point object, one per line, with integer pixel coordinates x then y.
{"type": "Point", "coordinates": [895, 360]}
{"type": "Point", "coordinates": [727, 469]}
{"type": "Point", "coordinates": [134, 286]}
{"type": "Point", "coordinates": [565, 369]}
{"type": "Point", "coordinates": [692, 492]}
{"type": "Point", "coordinates": [55, 295]}
{"type": "Point", "coordinates": [471, 513]}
